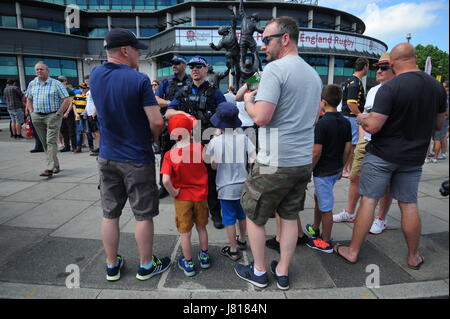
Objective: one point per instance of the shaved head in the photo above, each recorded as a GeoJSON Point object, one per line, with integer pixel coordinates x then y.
{"type": "Point", "coordinates": [403, 51]}
{"type": "Point", "coordinates": [403, 58]}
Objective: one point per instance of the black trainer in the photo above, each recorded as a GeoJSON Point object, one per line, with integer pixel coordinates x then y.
{"type": "Point", "coordinates": [273, 244]}
{"type": "Point", "coordinates": [282, 281]}
{"type": "Point", "coordinates": [217, 220]}
{"type": "Point", "coordinates": [302, 240]}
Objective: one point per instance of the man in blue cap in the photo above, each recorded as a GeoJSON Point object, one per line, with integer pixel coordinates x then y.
{"type": "Point", "coordinates": [201, 100]}
{"type": "Point", "coordinates": [164, 95]}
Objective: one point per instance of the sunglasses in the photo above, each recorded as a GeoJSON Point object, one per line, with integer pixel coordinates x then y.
{"type": "Point", "coordinates": [176, 63]}
{"type": "Point", "coordinates": [196, 66]}
{"type": "Point", "coordinates": [154, 84]}
{"type": "Point", "coordinates": [383, 67]}
{"type": "Point", "coordinates": [266, 39]}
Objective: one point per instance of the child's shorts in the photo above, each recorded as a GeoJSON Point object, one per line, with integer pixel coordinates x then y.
{"type": "Point", "coordinates": [231, 210]}
{"type": "Point", "coordinates": [189, 213]}
{"type": "Point", "coordinates": [324, 191]}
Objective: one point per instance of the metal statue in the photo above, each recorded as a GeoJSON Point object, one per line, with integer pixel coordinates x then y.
{"type": "Point", "coordinates": [230, 43]}
{"type": "Point", "coordinates": [214, 78]}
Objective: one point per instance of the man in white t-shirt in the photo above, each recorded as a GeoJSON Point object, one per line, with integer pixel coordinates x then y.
{"type": "Point", "coordinates": [92, 122]}
{"type": "Point", "coordinates": [384, 74]}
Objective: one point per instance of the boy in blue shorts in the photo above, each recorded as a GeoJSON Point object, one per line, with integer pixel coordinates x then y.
{"type": "Point", "coordinates": [228, 152]}
{"type": "Point", "coordinates": [332, 147]}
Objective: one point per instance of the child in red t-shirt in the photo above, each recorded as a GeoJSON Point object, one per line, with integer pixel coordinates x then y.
{"type": "Point", "coordinates": [186, 179]}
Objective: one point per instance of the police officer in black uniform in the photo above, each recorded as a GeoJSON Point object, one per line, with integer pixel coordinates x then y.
{"type": "Point", "coordinates": [200, 99]}
{"type": "Point", "coordinates": [164, 95]}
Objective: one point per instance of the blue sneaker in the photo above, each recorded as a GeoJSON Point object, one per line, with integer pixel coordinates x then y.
{"type": "Point", "coordinates": [159, 266]}
{"type": "Point", "coordinates": [282, 281]}
{"type": "Point", "coordinates": [246, 272]}
{"type": "Point", "coordinates": [186, 266]}
{"type": "Point", "coordinates": [204, 259]}
{"type": "Point", "coordinates": [113, 274]}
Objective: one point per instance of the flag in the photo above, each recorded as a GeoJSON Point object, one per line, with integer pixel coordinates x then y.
{"type": "Point", "coordinates": [428, 65]}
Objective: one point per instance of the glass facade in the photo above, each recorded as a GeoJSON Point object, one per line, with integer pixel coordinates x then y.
{"type": "Point", "coordinates": [8, 65]}
{"type": "Point", "coordinates": [43, 25]}
{"type": "Point", "coordinates": [8, 21]}
{"type": "Point", "coordinates": [118, 4]}
{"type": "Point", "coordinates": [57, 67]}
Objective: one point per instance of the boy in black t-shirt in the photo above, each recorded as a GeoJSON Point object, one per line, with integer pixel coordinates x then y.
{"type": "Point", "coordinates": [332, 147]}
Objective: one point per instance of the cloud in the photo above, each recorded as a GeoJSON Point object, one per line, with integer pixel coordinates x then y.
{"type": "Point", "coordinates": [389, 22]}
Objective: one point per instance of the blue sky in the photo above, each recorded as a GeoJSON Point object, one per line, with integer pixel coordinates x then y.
{"type": "Point", "coordinates": [390, 20]}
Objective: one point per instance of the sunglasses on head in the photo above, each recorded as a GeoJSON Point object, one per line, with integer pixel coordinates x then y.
{"type": "Point", "coordinates": [266, 39]}
{"type": "Point", "coordinates": [383, 67]}
{"type": "Point", "coordinates": [196, 66]}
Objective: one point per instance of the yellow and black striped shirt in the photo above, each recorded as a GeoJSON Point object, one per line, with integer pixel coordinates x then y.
{"type": "Point", "coordinates": [80, 102]}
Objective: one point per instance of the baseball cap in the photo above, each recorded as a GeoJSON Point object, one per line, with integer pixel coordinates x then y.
{"type": "Point", "coordinates": [197, 60]}
{"type": "Point", "coordinates": [181, 121]}
{"type": "Point", "coordinates": [384, 59]}
{"type": "Point", "coordinates": [226, 116]}
{"type": "Point", "coordinates": [178, 58]}
{"type": "Point", "coordinates": [119, 37]}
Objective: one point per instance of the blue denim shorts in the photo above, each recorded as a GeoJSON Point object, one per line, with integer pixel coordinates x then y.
{"type": "Point", "coordinates": [17, 116]}
{"type": "Point", "coordinates": [355, 129]}
{"type": "Point", "coordinates": [323, 189]}
{"type": "Point", "coordinates": [231, 210]}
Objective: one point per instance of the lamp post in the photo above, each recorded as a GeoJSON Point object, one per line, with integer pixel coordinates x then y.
{"type": "Point", "coordinates": [408, 37]}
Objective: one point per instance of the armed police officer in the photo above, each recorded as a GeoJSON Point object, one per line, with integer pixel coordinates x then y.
{"type": "Point", "coordinates": [164, 95]}
{"type": "Point", "coordinates": [200, 99]}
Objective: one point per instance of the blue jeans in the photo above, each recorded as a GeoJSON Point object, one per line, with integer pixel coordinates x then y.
{"type": "Point", "coordinates": [81, 126]}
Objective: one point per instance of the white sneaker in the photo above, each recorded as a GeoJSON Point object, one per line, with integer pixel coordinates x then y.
{"type": "Point", "coordinates": [344, 217]}
{"type": "Point", "coordinates": [378, 226]}
{"type": "Point", "coordinates": [433, 160]}
{"type": "Point", "coordinates": [427, 160]}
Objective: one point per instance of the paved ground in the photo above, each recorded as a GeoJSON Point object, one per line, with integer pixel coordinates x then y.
{"type": "Point", "coordinates": [51, 224]}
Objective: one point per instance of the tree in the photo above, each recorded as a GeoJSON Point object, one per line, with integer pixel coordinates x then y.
{"type": "Point", "coordinates": [439, 60]}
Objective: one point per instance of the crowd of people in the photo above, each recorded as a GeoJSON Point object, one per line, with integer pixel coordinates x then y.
{"type": "Point", "coordinates": [245, 158]}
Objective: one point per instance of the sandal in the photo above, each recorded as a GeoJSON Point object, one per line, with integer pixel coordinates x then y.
{"type": "Point", "coordinates": [226, 251]}
{"type": "Point", "coordinates": [242, 245]}
{"type": "Point", "coordinates": [336, 250]}
{"type": "Point", "coordinates": [47, 173]}
{"type": "Point", "coordinates": [417, 267]}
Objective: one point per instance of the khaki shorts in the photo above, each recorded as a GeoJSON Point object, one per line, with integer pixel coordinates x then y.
{"type": "Point", "coordinates": [283, 192]}
{"type": "Point", "coordinates": [189, 213]}
{"type": "Point", "coordinates": [359, 154]}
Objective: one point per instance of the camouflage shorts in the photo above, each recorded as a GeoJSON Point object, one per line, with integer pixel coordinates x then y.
{"type": "Point", "coordinates": [282, 191]}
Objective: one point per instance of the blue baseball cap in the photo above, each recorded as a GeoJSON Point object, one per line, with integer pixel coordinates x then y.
{"type": "Point", "coordinates": [178, 58]}
{"type": "Point", "coordinates": [198, 60]}
{"type": "Point", "coordinates": [226, 116]}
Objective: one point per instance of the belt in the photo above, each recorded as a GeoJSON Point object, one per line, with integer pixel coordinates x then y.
{"type": "Point", "coordinates": [40, 113]}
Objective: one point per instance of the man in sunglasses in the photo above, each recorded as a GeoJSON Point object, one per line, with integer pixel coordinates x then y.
{"type": "Point", "coordinates": [164, 95]}
{"type": "Point", "coordinates": [200, 99]}
{"type": "Point", "coordinates": [286, 108]}
{"type": "Point", "coordinates": [384, 74]}
{"type": "Point", "coordinates": [405, 112]}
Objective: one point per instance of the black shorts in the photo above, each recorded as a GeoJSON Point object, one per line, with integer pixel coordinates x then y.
{"type": "Point", "coordinates": [92, 124]}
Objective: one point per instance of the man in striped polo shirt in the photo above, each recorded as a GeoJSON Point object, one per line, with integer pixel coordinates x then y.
{"type": "Point", "coordinates": [79, 103]}
{"type": "Point", "coordinates": [47, 100]}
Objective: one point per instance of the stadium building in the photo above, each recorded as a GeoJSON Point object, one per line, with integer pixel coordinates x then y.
{"type": "Point", "coordinates": [68, 35]}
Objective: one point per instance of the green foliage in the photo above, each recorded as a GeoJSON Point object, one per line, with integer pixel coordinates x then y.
{"type": "Point", "coordinates": [439, 60]}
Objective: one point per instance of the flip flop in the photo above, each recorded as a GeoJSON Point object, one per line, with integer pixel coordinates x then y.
{"type": "Point", "coordinates": [417, 267]}
{"type": "Point", "coordinates": [336, 250]}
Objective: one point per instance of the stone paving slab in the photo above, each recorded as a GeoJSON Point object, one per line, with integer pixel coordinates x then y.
{"type": "Point", "coordinates": [51, 214]}
{"type": "Point", "coordinates": [49, 258]}
{"type": "Point", "coordinates": [82, 192]}
{"type": "Point", "coordinates": [14, 240]}
{"type": "Point", "coordinates": [11, 210]}
{"type": "Point", "coordinates": [431, 289]}
{"type": "Point", "coordinates": [436, 264]}
{"type": "Point", "coordinates": [40, 193]}
{"type": "Point", "coordinates": [10, 187]}
{"type": "Point", "coordinates": [87, 224]}
{"type": "Point", "coordinates": [355, 275]}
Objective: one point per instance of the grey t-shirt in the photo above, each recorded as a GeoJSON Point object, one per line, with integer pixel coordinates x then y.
{"type": "Point", "coordinates": [230, 152]}
{"type": "Point", "coordinates": [295, 88]}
